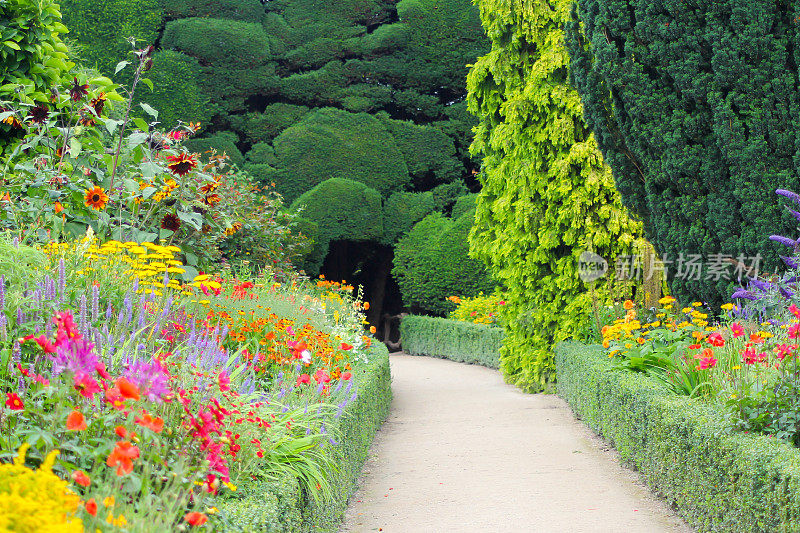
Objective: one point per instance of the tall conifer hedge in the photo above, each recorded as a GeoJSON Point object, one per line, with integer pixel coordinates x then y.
{"type": "Point", "coordinates": [696, 107]}
{"type": "Point", "coordinates": [546, 192]}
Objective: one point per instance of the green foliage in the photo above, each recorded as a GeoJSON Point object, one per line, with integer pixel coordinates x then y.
{"type": "Point", "coordinates": [717, 482]}
{"type": "Point", "coordinates": [343, 210]}
{"type": "Point", "coordinates": [452, 339]}
{"type": "Point", "coordinates": [262, 154]}
{"type": "Point", "coordinates": [693, 107]}
{"type": "Point", "coordinates": [402, 210]}
{"type": "Point", "coordinates": [19, 264]}
{"type": "Point", "coordinates": [34, 57]}
{"type": "Point", "coordinates": [546, 194]}
{"type": "Point", "coordinates": [104, 27]}
{"type": "Point", "coordinates": [430, 155]}
{"type": "Point", "coordinates": [221, 143]}
{"type": "Point", "coordinates": [244, 10]}
{"type": "Point", "coordinates": [465, 204]}
{"type": "Point", "coordinates": [432, 262]}
{"type": "Point", "coordinates": [280, 506]}
{"type": "Point", "coordinates": [176, 91]}
{"type": "Point", "coordinates": [447, 194]}
{"type": "Point", "coordinates": [233, 44]}
{"type": "Point", "coordinates": [330, 143]}
{"type": "Point", "coordinates": [261, 127]}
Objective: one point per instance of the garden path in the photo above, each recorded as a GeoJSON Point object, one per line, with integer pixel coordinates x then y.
{"type": "Point", "coordinates": [462, 451]}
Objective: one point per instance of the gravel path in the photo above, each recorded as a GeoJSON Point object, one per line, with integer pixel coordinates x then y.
{"type": "Point", "coordinates": [464, 452]}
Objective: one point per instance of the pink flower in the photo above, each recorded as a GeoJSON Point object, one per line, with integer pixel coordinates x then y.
{"type": "Point", "coordinates": [86, 385]}
{"type": "Point", "coordinates": [303, 378]}
{"type": "Point", "coordinates": [737, 329]}
{"type": "Point", "coordinates": [794, 331]}
{"type": "Point", "coordinates": [715, 339]}
{"type": "Point", "coordinates": [784, 350]}
{"type": "Point", "coordinates": [794, 310]}
{"type": "Point", "coordinates": [321, 376]}
{"type": "Point", "coordinates": [706, 363]}
{"type": "Point", "coordinates": [224, 381]}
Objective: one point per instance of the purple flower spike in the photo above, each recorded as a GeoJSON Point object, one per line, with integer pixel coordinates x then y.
{"type": "Point", "coordinates": [786, 241]}
{"type": "Point", "coordinates": [786, 293]}
{"type": "Point", "coordinates": [743, 293]}
{"type": "Point", "coordinates": [794, 213]}
{"type": "Point", "coordinates": [793, 196]}
{"type": "Point", "coordinates": [760, 285]}
{"type": "Point", "coordinates": [791, 262]}
{"type": "Point", "coordinates": [151, 378]}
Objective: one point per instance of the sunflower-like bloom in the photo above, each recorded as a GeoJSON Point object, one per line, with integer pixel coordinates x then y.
{"type": "Point", "coordinates": [182, 164]}
{"type": "Point", "coordinates": [77, 90]}
{"type": "Point", "coordinates": [38, 114]}
{"type": "Point", "coordinates": [171, 222]}
{"type": "Point", "coordinates": [96, 198]}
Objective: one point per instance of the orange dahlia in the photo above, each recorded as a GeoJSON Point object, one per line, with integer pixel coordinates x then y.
{"type": "Point", "coordinates": [96, 198]}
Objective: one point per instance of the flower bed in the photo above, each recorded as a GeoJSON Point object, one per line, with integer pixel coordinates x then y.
{"type": "Point", "coordinates": [170, 404]}
{"type": "Point", "coordinates": [718, 481]}
{"type": "Point", "coordinates": [456, 340]}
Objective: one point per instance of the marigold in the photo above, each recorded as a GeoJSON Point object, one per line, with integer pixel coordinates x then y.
{"type": "Point", "coordinates": [627, 305]}
{"type": "Point", "coordinates": [96, 198]}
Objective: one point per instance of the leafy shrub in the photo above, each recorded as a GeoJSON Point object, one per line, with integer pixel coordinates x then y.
{"type": "Point", "coordinates": [429, 153]}
{"type": "Point", "coordinates": [229, 43]}
{"type": "Point", "coordinates": [221, 143]}
{"type": "Point", "coordinates": [674, 94]}
{"type": "Point", "coordinates": [104, 27]}
{"type": "Point", "coordinates": [263, 127]}
{"type": "Point", "coordinates": [34, 55]}
{"type": "Point", "coordinates": [402, 210]}
{"type": "Point", "coordinates": [546, 194]}
{"type": "Point", "coordinates": [261, 154]}
{"type": "Point", "coordinates": [432, 262]}
{"type": "Point", "coordinates": [452, 339]}
{"type": "Point", "coordinates": [244, 10]}
{"type": "Point", "coordinates": [465, 204]}
{"type": "Point", "coordinates": [330, 143]}
{"type": "Point", "coordinates": [343, 210]}
{"type": "Point", "coordinates": [480, 309]}
{"type": "Point", "coordinates": [176, 90]}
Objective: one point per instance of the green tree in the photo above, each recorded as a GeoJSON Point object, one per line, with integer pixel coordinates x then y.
{"type": "Point", "coordinates": [546, 195]}
{"type": "Point", "coordinates": [695, 108]}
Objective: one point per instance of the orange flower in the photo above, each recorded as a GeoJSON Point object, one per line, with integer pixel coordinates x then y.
{"type": "Point", "coordinates": [122, 457]}
{"type": "Point", "coordinates": [372, 329]}
{"type": "Point", "coordinates": [91, 507]}
{"type": "Point", "coordinates": [80, 477]}
{"type": "Point", "coordinates": [121, 432]}
{"type": "Point", "coordinates": [96, 198]}
{"type": "Point", "coordinates": [76, 421]}
{"type": "Point", "coordinates": [628, 305]}
{"type": "Point", "coordinates": [128, 389]}
{"type": "Point", "coordinates": [58, 207]}
{"type": "Point", "coordinates": [366, 306]}
{"type": "Point", "coordinates": [156, 424]}
{"type": "Point", "coordinates": [196, 519]}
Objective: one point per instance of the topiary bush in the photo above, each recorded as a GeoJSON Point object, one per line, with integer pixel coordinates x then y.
{"type": "Point", "coordinates": [176, 91]}
{"type": "Point", "coordinates": [546, 196]}
{"type": "Point", "coordinates": [456, 340]}
{"type": "Point", "coordinates": [430, 155]}
{"type": "Point", "coordinates": [263, 127]}
{"type": "Point", "coordinates": [330, 143]}
{"type": "Point", "coordinates": [432, 262]}
{"type": "Point", "coordinates": [223, 143]}
{"type": "Point", "coordinates": [343, 210]}
{"type": "Point", "coordinates": [243, 10]}
{"type": "Point", "coordinates": [104, 27]}
{"type": "Point", "coordinates": [230, 43]}
{"type": "Point", "coordinates": [693, 106]}
{"type": "Point", "coordinates": [402, 210]}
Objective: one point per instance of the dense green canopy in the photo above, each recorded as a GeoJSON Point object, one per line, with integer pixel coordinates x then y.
{"type": "Point", "coordinates": [695, 107]}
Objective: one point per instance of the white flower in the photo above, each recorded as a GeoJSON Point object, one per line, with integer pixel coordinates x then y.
{"type": "Point", "coordinates": [306, 356]}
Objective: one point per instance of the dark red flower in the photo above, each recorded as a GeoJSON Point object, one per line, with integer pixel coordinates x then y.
{"type": "Point", "coordinates": [38, 114]}
{"type": "Point", "coordinates": [182, 164]}
{"type": "Point", "coordinates": [170, 222]}
{"type": "Point", "coordinates": [98, 102]}
{"type": "Point", "coordinates": [78, 91]}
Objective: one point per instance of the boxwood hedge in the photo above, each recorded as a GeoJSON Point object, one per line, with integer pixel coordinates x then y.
{"type": "Point", "coordinates": [717, 481]}
{"type": "Point", "coordinates": [280, 505]}
{"type": "Point", "coordinates": [460, 341]}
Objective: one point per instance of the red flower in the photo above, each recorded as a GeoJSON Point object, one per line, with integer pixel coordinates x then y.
{"type": "Point", "coordinates": [303, 378]}
{"type": "Point", "coordinates": [346, 346]}
{"type": "Point", "coordinates": [121, 432]}
{"type": "Point", "coordinates": [224, 381]}
{"type": "Point", "coordinates": [127, 389]}
{"type": "Point", "coordinates": [80, 477]}
{"type": "Point", "coordinates": [196, 519]}
{"type": "Point", "coordinates": [182, 164]}
{"type": "Point", "coordinates": [86, 385]}
{"type": "Point", "coordinates": [13, 402]}
{"type": "Point", "coordinates": [76, 421]}
{"type": "Point", "coordinates": [706, 363]}
{"type": "Point", "coordinates": [794, 310]}
{"type": "Point", "coordinates": [715, 339]}
{"type": "Point", "coordinates": [346, 376]}
{"type": "Point", "coordinates": [91, 507]}
{"type": "Point", "coordinates": [122, 457]}
{"type": "Point", "coordinates": [100, 368]}
{"type": "Point", "coordinates": [77, 90]}
{"type": "Point", "coordinates": [43, 343]}
{"type": "Point", "coordinates": [321, 376]}
{"type": "Point", "coordinates": [737, 329]}
{"type": "Point", "coordinates": [156, 424]}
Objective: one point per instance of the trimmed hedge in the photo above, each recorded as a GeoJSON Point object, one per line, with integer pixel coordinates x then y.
{"type": "Point", "coordinates": [456, 340]}
{"type": "Point", "coordinates": [718, 482]}
{"type": "Point", "coordinates": [280, 505]}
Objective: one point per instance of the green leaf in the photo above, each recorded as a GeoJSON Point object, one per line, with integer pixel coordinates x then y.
{"type": "Point", "coordinates": [147, 82]}
{"type": "Point", "coordinates": [121, 65]}
{"type": "Point", "coordinates": [149, 110]}
{"type": "Point", "coordinates": [193, 219]}
{"type": "Point", "coordinates": [11, 44]}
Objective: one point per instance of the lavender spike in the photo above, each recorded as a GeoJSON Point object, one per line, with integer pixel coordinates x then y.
{"type": "Point", "coordinates": [789, 194]}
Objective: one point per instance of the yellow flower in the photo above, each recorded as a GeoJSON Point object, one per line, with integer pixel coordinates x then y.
{"type": "Point", "coordinates": [696, 304]}
{"type": "Point", "coordinates": [666, 300]}
{"type": "Point", "coordinates": [109, 501]}
{"type": "Point", "coordinates": [727, 306]}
